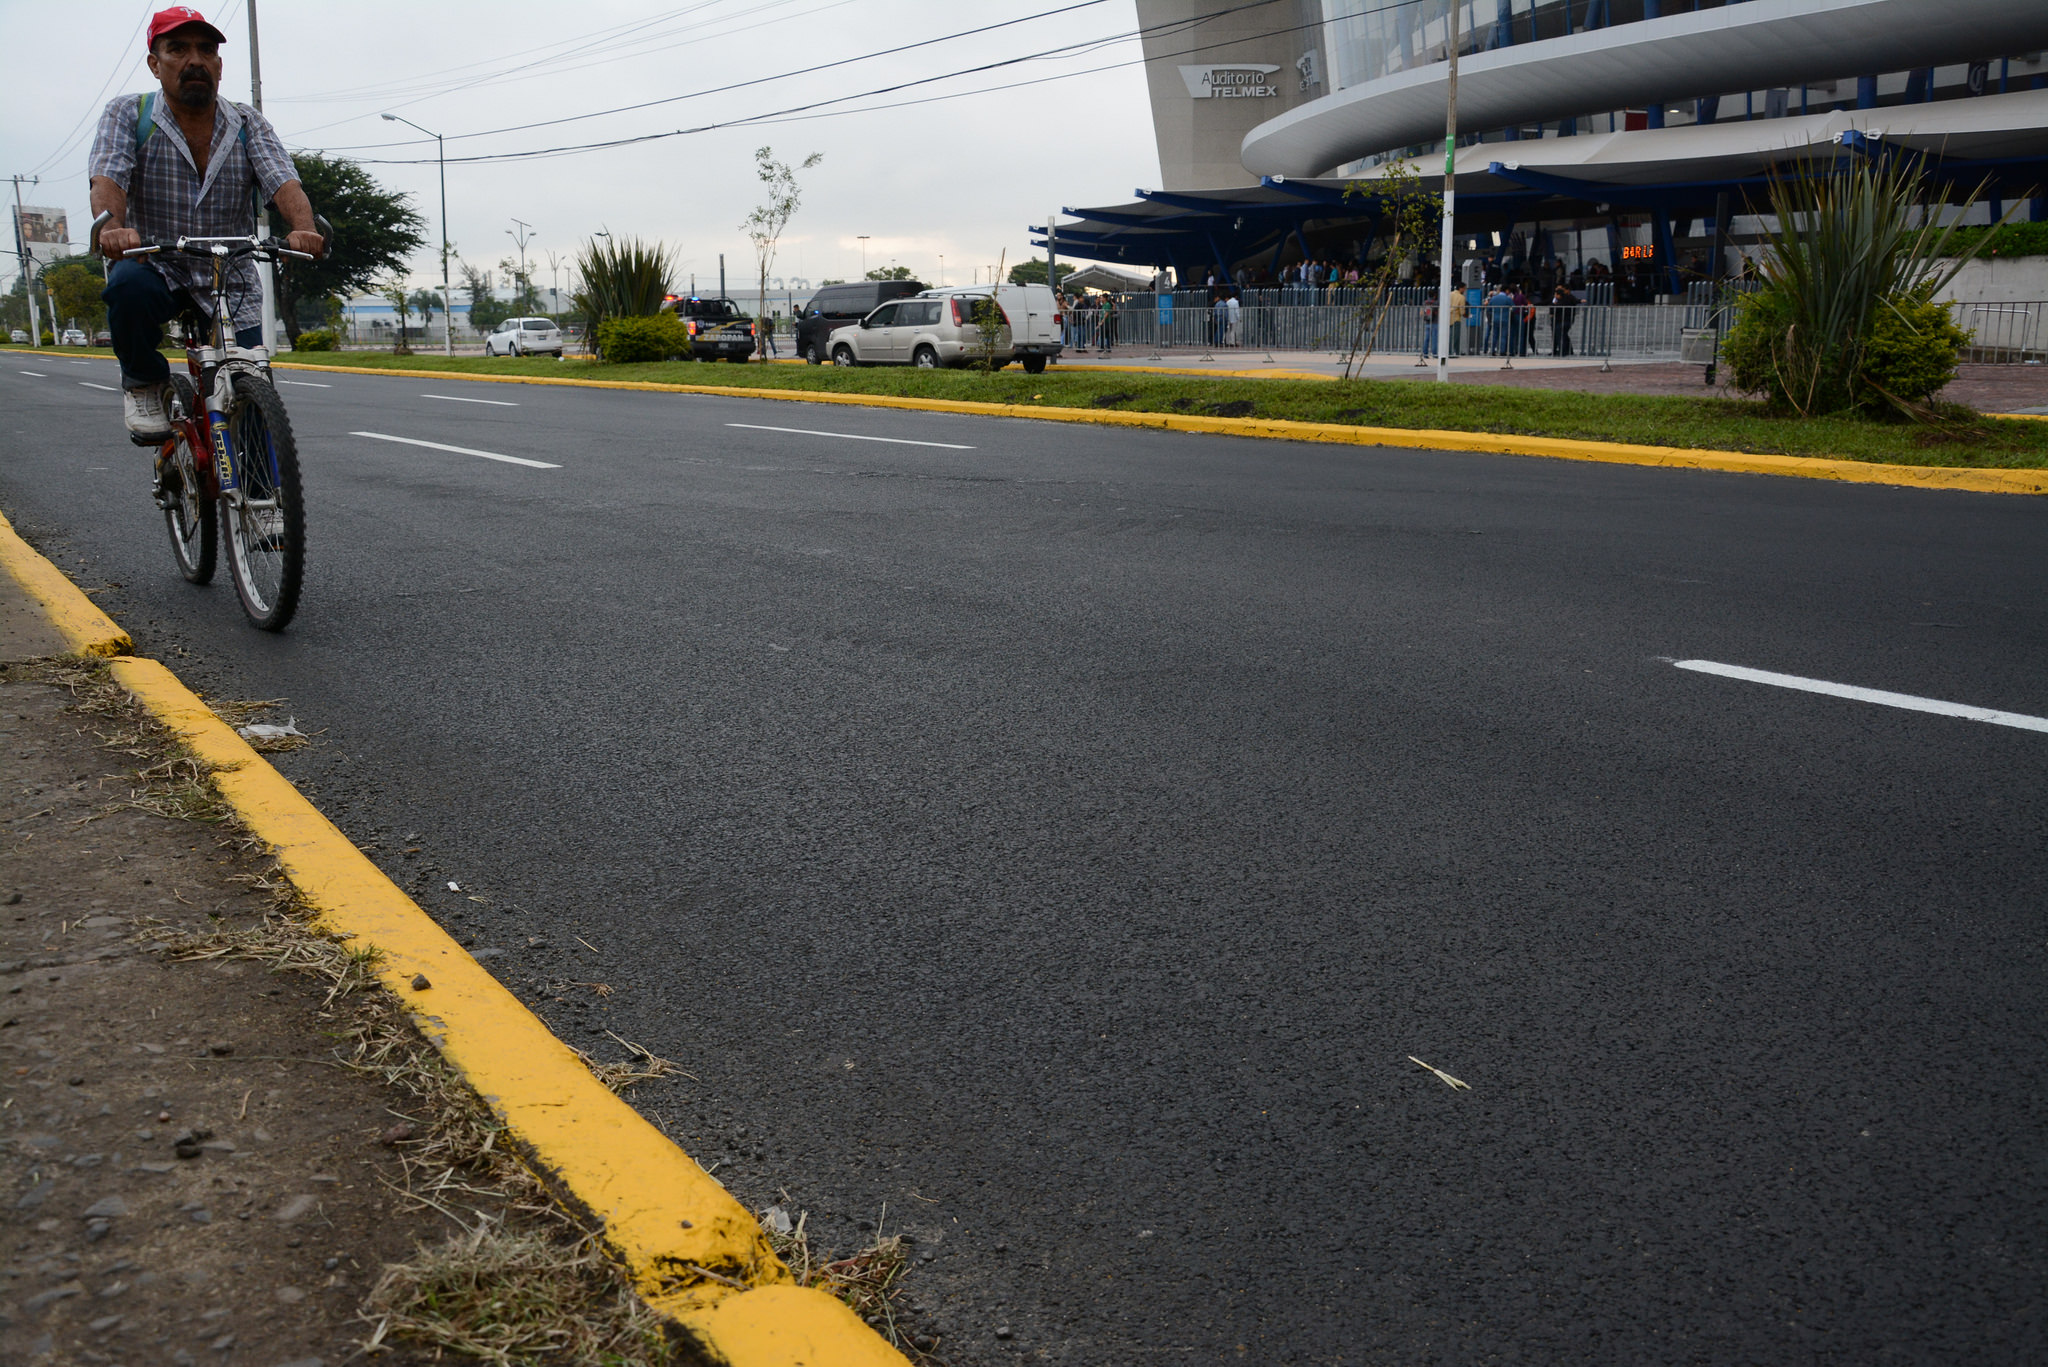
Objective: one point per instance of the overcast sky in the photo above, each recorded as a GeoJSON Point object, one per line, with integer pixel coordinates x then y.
{"type": "Point", "coordinates": [958, 177]}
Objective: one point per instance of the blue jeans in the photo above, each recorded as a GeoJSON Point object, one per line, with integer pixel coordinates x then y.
{"type": "Point", "coordinates": [139, 303]}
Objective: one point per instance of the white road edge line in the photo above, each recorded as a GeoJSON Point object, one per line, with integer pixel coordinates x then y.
{"type": "Point", "coordinates": [849, 436]}
{"type": "Point", "coordinates": [109, 388]}
{"type": "Point", "coordinates": [458, 450]}
{"type": "Point", "coordinates": [1873, 695]}
{"type": "Point", "coordinates": [307, 384]}
{"type": "Point", "coordinates": [457, 398]}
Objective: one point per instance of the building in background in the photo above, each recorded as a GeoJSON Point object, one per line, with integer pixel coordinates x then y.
{"type": "Point", "coordinates": [1608, 131]}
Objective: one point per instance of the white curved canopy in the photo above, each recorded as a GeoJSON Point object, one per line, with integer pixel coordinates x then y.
{"type": "Point", "coordinates": [1752, 46]}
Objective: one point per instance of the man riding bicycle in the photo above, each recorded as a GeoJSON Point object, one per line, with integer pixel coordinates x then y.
{"type": "Point", "coordinates": [183, 162]}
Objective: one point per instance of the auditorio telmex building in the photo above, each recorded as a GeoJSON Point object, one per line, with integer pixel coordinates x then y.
{"type": "Point", "coordinates": [1589, 130]}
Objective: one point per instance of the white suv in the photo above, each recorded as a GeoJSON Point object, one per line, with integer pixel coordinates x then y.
{"type": "Point", "coordinates": [937, 328]}
{"type": "Point", "coordinates": [523, 336]}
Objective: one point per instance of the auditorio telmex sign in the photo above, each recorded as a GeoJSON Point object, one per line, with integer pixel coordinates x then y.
{"type": "Point", "coordinates": [1237, 82]}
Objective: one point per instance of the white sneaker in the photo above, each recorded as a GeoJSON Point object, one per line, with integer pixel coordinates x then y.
{"type": "Point", "coordinates": [144, 412]}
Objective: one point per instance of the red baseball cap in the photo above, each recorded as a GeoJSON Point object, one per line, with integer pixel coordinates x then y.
{"type": "Point", "coordinates": [176, 17]}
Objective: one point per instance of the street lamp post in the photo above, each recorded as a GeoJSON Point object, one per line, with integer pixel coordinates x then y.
{"type": "Point", "coordinates": [447, 293]}
{"type": "Point", "coordinates": [522, 237]}
{"type": "Point", "coordinates": [863, 254]}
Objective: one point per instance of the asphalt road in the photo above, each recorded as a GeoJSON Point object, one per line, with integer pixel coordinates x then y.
{"type": "Point", "coordinates": [1066, 836]}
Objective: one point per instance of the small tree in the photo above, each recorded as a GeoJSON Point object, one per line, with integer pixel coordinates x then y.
{"type": "Point", "coordinates": [376, 231]}
{"type": "Point", "coordinates": [401, 304]}
{"type": "Point", "coordinates": [425, 303]}
{"type": "Point", "coordinates": [1032, 272]}
{"type": "Point", "coordinates": [765, 224]}
{"type": "Point", "coordinates": [1410, 215]}
{"type": "Point", "coordinates": [486, 311]}
{"type": "Point", "coordinates": [889, 273]}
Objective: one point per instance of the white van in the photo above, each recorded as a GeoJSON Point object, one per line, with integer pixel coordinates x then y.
{"type": "Point", "coordinates": [937, 328]}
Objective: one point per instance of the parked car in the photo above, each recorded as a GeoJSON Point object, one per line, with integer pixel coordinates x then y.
{"type": "Point", "coordinates": [838, 306]}
{"type": "Point", "coordinates": [103, 338]}
{"type": "Point", "coordinates": [524, 336]}
{"type": "Point", "coordinates": [938, 328]}
{"type": "Point", "coordinates": [72, 337]}
{"type": "Point", "coordinates": [718, 330]}
{"type": "Point", "coordinates": [18, 337]}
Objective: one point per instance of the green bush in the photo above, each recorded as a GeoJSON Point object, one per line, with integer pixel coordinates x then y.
{"type": "Point", "coordinates": [49, 337]}
{"type": "Point", "coordinates": [2008, 239]}
{"type": "Point", "coordinates": [622, 341]}
{"type": "Point", "coordinates": [316, 339]}
{"type": "Point", "coordinates": [1912, 352]}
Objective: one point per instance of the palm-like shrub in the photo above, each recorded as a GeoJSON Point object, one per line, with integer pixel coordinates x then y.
{"type": "Point", "coordinates": [1845, 319]}
{"type": "Point", "coordinates": [622, 278]}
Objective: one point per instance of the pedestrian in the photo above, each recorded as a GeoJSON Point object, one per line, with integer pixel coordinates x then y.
{"type": "Point", "coordinates": [1460, 319]}
{"type": "Point", "coordinates": [1563, 311]}
{"type": "Point", "coordinates": [1108, 325]}
{"type": "Point", "coordinates": [1521, 323]}
{"type": "Point", "coordinates": [1499, 307]}
{"type": "Point", "coordinates": [1429, 326]}
{"type": "Point", "coordinates": [1232, 312]}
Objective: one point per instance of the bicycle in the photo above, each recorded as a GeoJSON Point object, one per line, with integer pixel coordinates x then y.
{"type": "Point", "coordinates": [231, 458]}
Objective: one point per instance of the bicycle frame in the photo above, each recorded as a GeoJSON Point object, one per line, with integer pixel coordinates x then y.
{"type": "Point", "coordinates": [214, 362]}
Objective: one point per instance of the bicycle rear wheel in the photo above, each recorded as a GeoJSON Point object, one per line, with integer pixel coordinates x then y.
{"type": "Point", "coordinates": [265, 519]}
{"type": "Point", "coordinates": [189, 514]}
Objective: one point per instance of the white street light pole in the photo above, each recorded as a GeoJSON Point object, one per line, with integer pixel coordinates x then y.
{"type": "Point", "coordinates": [447, 293]}
{"type": "Point", "coordinates": [863, 255]}
{"type": "Point", "coordinates": [266, 275]}
{"type": "Point", "coordinates": [28, 271]}
{"type": "Point", "coordinates": [1443, 289]}
{"type": "Point", "coordinates": [522, 237]}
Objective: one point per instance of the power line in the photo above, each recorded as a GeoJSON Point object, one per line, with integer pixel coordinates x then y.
{"type": "Point", "coordinates": [759, 80]}
{"type": "Point", "coordinates": [786, 115]}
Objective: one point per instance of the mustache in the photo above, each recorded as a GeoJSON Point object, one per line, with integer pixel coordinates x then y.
{"type": "Point", "coordinates": [196, 76]}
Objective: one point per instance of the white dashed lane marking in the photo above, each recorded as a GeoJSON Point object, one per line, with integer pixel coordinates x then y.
{"type": "Point", "coordinates": [850, 436]}
{"type": "Point", "coordinates": [458, 450]}
{"type": "Point", "coordinates": [457, 398]}
{"type": "Point", "coordinates": [1871, 695]}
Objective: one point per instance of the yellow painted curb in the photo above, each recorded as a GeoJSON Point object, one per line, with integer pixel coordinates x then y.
{"type": "Point", "coordinates": [76, 617]}
{"type": "Point", "coordinates": [1343, 434]}
{"type": "Point", "coordinates": [664, 1217]}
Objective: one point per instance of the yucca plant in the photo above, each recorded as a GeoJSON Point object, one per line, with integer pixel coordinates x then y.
{"type": "Point", "coordinates": [622, 278]}
{"type": "Point", "coordinates": [1845, 261]}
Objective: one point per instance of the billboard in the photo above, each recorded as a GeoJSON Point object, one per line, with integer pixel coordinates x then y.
{"type": "Point", "coordinates": [43, 224]}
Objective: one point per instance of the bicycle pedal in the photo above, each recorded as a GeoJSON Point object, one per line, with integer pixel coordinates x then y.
{"type": "Point", "coordinates": [150, 442]}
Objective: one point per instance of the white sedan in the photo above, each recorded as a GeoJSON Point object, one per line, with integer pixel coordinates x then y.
{"type": "Point", "coordinates": [523, 337]}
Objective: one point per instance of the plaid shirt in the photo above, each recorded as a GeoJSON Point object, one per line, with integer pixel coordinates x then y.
{"type": "Point", "coordinates": [168, 200]}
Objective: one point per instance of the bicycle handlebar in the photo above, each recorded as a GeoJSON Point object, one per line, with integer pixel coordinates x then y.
{"type": "Point", "coordinates": [219, 246]}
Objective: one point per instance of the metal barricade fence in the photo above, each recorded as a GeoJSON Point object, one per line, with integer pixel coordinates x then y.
{"type": "Point", "coordinates": [2012, 333]}
{"type": "Point", "coordinates": [1322, 320]}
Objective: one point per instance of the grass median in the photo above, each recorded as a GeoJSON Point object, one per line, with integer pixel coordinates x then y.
{"type": "Point", "coordinates": [1962, 439]}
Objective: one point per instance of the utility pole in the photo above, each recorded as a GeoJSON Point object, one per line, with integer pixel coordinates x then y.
{"type": "Point", "coordinates": [447, 292]}
{"type": "Point", "coordinates": [1052, 260]}
{"type": "Point", "coordinates": [721, 275]}
{"type": "Point", "coordinates": [522, 237]}
{"type": "Point", "coordinates": [28, 275]}
{"type": "Point", "coordinates": [1443, 291]}
{"type": "Point", "coordinates": [863, 255]}
{"type": "Point", "coordinates": [555, 280]}
{"type": "Point", "coordinates": [267, 274]}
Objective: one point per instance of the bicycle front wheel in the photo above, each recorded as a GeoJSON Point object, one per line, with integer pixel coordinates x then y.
{"type": "Point", "coordinates": [182, 492]}
{"type": "Point", "coordinates": [265, 518]}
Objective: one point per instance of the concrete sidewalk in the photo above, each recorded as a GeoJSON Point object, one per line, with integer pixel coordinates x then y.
{"type": "Point", "coordinates": [189, 1174]}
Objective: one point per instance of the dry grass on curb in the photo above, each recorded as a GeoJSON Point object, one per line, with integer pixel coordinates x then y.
{"type": "Point", "coordinates": [508, 1296]}
{"type": "Point", "coordinates": [524, 1281]}
{"type": "Point", "coordinates": [869, 1281]}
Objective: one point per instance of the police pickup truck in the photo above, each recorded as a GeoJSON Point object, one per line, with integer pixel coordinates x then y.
{"type": "Point", "coordinates": [717, 329]}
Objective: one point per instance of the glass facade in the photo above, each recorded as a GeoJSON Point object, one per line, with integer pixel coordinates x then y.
{"type": "Point", "coordinates": [1369, 40]}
